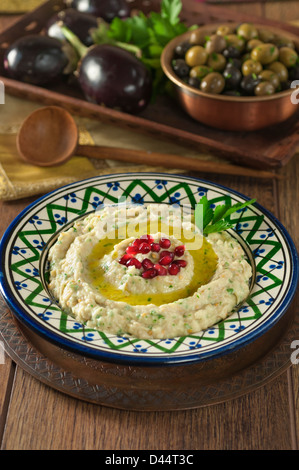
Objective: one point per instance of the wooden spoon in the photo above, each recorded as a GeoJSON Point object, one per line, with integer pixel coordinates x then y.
{"type": "Point", "coordinates": [49, 136]}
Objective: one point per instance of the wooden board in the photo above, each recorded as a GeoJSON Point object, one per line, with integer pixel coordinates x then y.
{"type": "Point", "coordinates": [266, 149]}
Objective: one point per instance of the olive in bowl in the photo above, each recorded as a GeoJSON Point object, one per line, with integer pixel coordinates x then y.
{"type": "Point", "coordinates": [212, 83]}
{"type": "Point", "coordinates": [250, 90]}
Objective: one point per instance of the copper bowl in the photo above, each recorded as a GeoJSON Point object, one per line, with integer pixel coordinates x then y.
{"type": "Point", "coordinates": [233, 113]}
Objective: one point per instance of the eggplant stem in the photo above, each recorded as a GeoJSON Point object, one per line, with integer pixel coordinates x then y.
{"type": "Point", "coordinates": [74, 40]}
{"type": "Point", "coordinates": [129, 47]}
{"type": "Point", "coordinates": [82, 49]}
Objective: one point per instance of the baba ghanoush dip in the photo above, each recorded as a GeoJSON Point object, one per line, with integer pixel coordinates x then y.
{"type": "Point", "coordinates": [146, 272]}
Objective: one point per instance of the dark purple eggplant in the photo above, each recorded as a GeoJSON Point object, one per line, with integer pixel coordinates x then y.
{"type": "Point", "coordinates": [79, 23]}
{"type": "Point", "coordinates": [106, 9]}
{"type": "Point", "coordinates": [39, 60]}
{"type": "Point", "coordinates": [112, 76]}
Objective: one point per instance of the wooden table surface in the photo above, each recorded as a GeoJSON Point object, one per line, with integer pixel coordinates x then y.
{"type": "Point", "coordinates": [35, 416]}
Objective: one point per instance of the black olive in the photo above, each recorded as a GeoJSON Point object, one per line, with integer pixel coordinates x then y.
{"type": "Point", "coordinates": [249, 83]}
{"type": "Point", "coordinates": [285, 85]}
{"type": "Point", "coordinates": [180, 68]}
{"type": "Point", "coordinates": [232, 62]}
{"type": "Point", "coordinates": [294, 73]}
{"type": "Point", "coordinates": [231, 52]}
{"type": "Point", "coordinates": [181, 49]}
{"type": "Point", "coordinates": [233, 77]}
{"type": "Point", "coordinates": [193, 81]}
{"type": "Point", "coordinates": [231, 93]}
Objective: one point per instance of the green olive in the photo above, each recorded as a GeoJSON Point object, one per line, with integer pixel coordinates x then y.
{"type": "Point", "coordinates": [196, 55]}
{"type": "Point", "coordinates": [265, 35]}
{"type": "Point", "coordinates": [288, 56]}
{"type": "Point", "coordinates": [264, 89]}
{"type": "Point", "coordinates": [215, 43]}
{"type": "Point", "coordinates": [251, 66]}
{"type": "Point", "coordinates": [213, 83]}
{"type": "Point", "coordinates": [269, 76]}
{"type": "Point", "coordinates": [235, 41]}
{"type": "Point", "coordinates": [247, 31]}
{"type": "Point", "coordinates": [280, 69]}
{"type": "Point", "coordinates": [265, 53]}
{"type": "Point", "coordinates": [252, 44]}
{"type": "Point", "coordinates": [199, 71]}
{"type": "Point", "coordinates": [198, 37]}
{"type": "Point", "coordinates": [216, 61]}
{"type": "Point", "coordinates": [224, 30]}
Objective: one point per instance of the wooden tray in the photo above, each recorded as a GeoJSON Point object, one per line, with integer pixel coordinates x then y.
{"type": "Point", "coordinates": [146, 388]}
{"type": "Point", "coordinates": [269, 148]}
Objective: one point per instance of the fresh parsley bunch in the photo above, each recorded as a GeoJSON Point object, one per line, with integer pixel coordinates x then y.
{"type": "Point", "coordinates": [145, 35]}
{"type": "Point", "coordinates": [218, 219]}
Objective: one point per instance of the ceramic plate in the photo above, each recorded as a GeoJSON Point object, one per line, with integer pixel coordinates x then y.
{"type": "Point", "coordinates": [23, 274]}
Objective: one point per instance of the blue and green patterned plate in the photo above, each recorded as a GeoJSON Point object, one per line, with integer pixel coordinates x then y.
{"type": "Point", "coordinates": [23, 271]}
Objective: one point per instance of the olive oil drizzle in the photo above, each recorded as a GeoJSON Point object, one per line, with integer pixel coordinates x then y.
{"type": "Point", "coordinates": [205, 263]}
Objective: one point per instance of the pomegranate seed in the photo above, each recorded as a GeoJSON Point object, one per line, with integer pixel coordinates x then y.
{"type": "Point", "coordinates": [166, 253]}
{"type": "Point", "coordinates": [180, 262]}
{"type": "Point", "coordinates": [137, 242]}
{"type": "Point", "coordinates": [134, 262]}
{"type": "Point", "coordinates": [166, 257]}
{"type": "Point", "coordinates": [150, 273]}
{"type": "Point", "coordinates": [155, 247]}
{"type": "Point", "coordinates": [132, 250]}
{"type": "Point", "coordinates": [179, 250]}
{"type": "Point", "coordinates": [144, 248]}
{"type": "Point", "coordinates": [147, 264]}
{"type": "Point", "coordinates": [165, 260]}
{"type": "Point", "coordinates": [147, 238]}
{"type": "Point", "coordinates": [160, 270]}
{"type": "Point", "coordinates": [173, 269]}
{"type": "Point", "coordinates": [165, 243]}
{"type": "Point", "coordinates": [125, 258]}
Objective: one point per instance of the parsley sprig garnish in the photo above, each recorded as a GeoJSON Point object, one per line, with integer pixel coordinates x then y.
{"type": "Point", "coordinates": [218, 219]}
{"type": "Point", "coordinates": [145, 35]}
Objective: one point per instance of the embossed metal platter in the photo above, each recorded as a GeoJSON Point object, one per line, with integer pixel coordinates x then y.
{"type": "Point", "coordinates": [26, 242]}
{"type": "Point", "coordinates": [132, 387]}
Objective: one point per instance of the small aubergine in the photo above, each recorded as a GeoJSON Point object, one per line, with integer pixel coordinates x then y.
{"type": "Point", "coordinates": [112, 76]}
{"type": "Point", "coordinates": [79, 23]}
{"type": "Point", "coordinates": [105, 9]}
{"type": "Point", "coordinates": [39, 60]}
